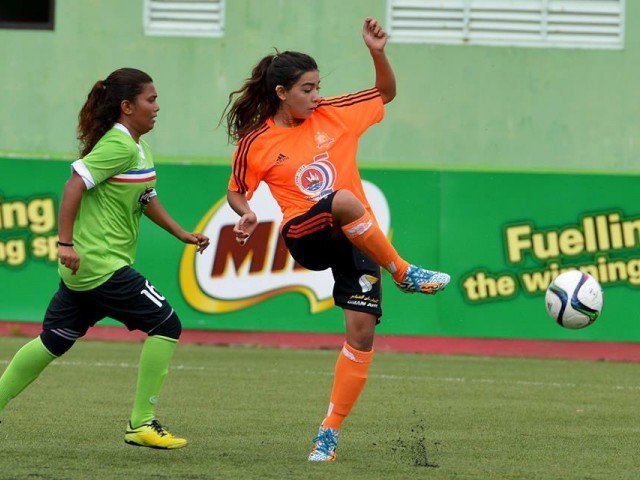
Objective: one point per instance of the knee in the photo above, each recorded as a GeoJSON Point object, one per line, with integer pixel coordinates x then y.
{"type": "Point", "coordinates": [171, 327]}
{"type": "Point", "coordinates": [364, 343]}
{"type": "Point", "coordinates": [361, 338]}
{"type": "Point", "coordinates": [58, 341]}
{"type": "Point", "coordinates": [345, 202]}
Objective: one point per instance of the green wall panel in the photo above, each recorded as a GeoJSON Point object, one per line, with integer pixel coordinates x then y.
{"type": "Point", "coordinates": [457, 106]}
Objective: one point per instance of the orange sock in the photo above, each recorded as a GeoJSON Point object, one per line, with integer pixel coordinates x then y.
{"type": "Point", "coordinates": [365, 234]}
{"type": "Point", "coordinates": [349, 380]}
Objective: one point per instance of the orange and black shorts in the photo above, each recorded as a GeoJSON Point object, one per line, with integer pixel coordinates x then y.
{"type": "Point", "coordinates": [316, 242]}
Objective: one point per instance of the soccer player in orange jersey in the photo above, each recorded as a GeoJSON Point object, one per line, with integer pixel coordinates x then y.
{"type": "Point", "coordinates": [304, 147]}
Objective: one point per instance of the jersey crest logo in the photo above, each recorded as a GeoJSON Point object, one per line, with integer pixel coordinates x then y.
{"type": "Point", "coordinates": [323, 140]}
{"type": "Point", "coordinates": [316, 179]}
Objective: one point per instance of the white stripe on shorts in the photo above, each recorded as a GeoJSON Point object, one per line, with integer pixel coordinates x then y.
{"type": "Point", "coordinates": [63, 334]}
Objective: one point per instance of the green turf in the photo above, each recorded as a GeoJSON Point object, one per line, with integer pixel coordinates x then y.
{"type": "Point", "coordinates": [249, 413]}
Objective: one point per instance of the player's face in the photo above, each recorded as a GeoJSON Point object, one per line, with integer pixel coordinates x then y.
{"type": "Point", "coordinates": [303, 97]}
{"type": "Point", "coordinates": [144, 109]}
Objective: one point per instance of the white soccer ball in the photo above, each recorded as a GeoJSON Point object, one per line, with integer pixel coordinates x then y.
{"type": "Point", "coordinates": [574, 299]}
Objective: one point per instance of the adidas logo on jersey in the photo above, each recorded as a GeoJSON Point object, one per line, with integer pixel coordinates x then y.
{"type": "Point", "coordinates": [281, 158]}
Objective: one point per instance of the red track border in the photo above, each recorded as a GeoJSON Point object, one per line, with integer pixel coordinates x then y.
{"type": "Point", "coordinates": [583, 350]}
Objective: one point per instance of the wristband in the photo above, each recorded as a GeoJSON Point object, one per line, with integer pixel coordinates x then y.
{"type": "Point", "coordinates": [64, 244]}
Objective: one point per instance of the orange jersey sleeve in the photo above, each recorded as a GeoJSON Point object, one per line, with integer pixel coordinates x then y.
{"type": "Point", "coordinates": [357, 110]}
{"type": "Point", "coordinates": [246, 175]}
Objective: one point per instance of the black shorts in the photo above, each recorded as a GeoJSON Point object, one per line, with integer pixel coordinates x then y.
{"type": "Point", "coordinates": [127, 297]}
{"type": "Point", "coordinates": [316, 242]}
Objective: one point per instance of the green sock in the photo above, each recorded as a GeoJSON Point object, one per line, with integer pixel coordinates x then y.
{"type": "Point", "coordinates": [154, 365]}
{"type": "Point", "coordinates": [25, 367]}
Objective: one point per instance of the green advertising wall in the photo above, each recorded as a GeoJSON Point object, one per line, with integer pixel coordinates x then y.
{"type": "Point", "coordinates": [511, 229]}
{"type": "Point", "coordinates": [457, 105]}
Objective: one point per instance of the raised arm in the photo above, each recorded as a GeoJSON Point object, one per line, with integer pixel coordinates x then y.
{"type": "Point", "coordinates": [375, 38]}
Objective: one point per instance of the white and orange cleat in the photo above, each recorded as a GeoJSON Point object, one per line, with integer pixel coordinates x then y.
{"type": "Point", "coordinates": [324, 448]}
{"type": "Point", "coordinates": [421, 280]}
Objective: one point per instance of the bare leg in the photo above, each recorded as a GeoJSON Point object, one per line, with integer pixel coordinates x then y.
{"type": "Point", "coordinates": [346, 207]}
{"type": "Point", "coordinates": [360, 329]}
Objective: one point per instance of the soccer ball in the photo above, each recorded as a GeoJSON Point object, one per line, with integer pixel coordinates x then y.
{"type": "Point", "coordinates": [574, 299]}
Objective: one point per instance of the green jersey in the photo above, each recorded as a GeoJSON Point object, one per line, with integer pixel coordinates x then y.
{"type": "Point", "coordinates": [120, 177]}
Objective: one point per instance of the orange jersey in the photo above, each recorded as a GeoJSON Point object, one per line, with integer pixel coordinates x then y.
{"type": "Point", "coordinates": [305, 163]}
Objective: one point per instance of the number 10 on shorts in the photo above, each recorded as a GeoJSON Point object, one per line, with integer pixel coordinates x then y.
{"type": "Point", "coordinates": [152, 294]}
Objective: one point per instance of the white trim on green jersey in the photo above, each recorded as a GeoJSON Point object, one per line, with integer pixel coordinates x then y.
{"type": "Point", "coordinates": [124, 129]}
{"type": "Point", "coordinates": [81, 169]}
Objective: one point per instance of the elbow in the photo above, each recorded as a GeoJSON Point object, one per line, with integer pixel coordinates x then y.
{"type": "Point", "coordinates": [388, 96]}
{"type": "Point", "coordinates": [234, 198]}
{"type": "Point", "coordinates": [387, 90]}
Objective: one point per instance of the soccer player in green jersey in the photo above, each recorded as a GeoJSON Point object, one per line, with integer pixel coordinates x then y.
{"type": "Point", "coordinates": [110, 187]}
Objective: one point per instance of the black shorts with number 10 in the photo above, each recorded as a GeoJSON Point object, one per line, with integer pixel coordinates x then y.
{"type": "Point", "coordinates": [316, 242]}
{"type": "Point", "coordinates": [127, 297]}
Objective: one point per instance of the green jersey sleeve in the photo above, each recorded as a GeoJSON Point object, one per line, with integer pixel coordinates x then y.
{"type": "Point", "coordinates": [111, 156]}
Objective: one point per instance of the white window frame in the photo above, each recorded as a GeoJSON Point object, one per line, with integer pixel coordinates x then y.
{"type": "Point", "coordinates": [453, 22]}
{"type": "Point", "coordinates": [193, 18]}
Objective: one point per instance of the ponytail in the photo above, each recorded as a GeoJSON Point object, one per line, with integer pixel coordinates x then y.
{"type": "Point", "coordinates": [253, 105]}
{"type": "Point", "coordinates": [102, 108]}
{"type": "Point", "coordinates": [257, 99]}
{"type": "Point", "coordinates": [94, 120]}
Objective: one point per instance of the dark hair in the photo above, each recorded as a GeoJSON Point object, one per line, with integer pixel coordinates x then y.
{"type": "Point", "coordinates": [258, 99]}
{"type": "Point", "coordinates": [102, 108]}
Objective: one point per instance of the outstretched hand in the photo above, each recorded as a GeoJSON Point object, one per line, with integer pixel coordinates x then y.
{"type": "Point", "coordinates": [198, 239]}
{"type": "Point", "coordinates": [375, 38]}
{"type": "Point", "coordinates": [245, 227]}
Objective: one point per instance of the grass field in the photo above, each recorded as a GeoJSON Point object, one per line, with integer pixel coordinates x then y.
{"type": "Point", "coordinates": [249, 413]}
